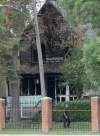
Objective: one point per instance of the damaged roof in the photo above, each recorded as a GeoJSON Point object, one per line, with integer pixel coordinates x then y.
{"type": "Point", "coordinates": [54, 30]}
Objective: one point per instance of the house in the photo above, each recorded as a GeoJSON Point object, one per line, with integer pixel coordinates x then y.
{"type": "Point", "coordinates": [55, 33]}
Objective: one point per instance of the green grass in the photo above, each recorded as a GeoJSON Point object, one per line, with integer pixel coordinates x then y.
{"type": "Point", "coordinates": [23, 124]}
{"type": "Point", "coordinates": [32, 128]}
{"type": "Point", "coordinates": [28, 124]}
{"type": "Point", "coordinates": [18, 131]}
{"type": "Point", "coordinates": [74, 127]}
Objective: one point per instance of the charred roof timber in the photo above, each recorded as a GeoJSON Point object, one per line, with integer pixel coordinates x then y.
{"type": "Point", "coordinates": [55, 33]}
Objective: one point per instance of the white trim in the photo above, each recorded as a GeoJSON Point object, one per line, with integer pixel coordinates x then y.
{"type": "Point", "coordinates": [2, 99]}
{"type": "Point", "coordinates": [46, 98]}
{"type": "Point", "coordinates": [95, 97]}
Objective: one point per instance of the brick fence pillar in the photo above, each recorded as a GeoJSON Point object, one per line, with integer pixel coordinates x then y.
{"type": "Point", "coordinates": [95, 114]}
{"type": "Point", "coordinates": [2, 114]}
{"type": "Point", "coordinates": [46, 114]}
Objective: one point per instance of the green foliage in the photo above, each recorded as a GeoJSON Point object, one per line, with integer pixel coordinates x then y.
{"type": "Point", "coordinates": [72, 65]}
{"type": "Point", "coordinates": [6, 60]}
{"type": "Point", "coordinates": [68, 6]}
{"type": "Point", "coordinates": [79, 111]}
{"type": "Point", "coordinates": [2, 23]}
{"type": "Point", "coordinates": [91, 59]}
{"type": "Point", "coordinates": [85, 70]}
{"type": "Point", "coordinates": [73, 69]}
{"type": "Point", "coordinates": [82, 11]}
{"type": "Point", "coordinates": [11, 25]}
{"type": "Point", "coordinates": [88, 11]}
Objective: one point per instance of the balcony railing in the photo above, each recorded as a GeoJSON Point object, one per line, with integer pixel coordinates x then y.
{"type": "Point", "coordinates": [46, 60]}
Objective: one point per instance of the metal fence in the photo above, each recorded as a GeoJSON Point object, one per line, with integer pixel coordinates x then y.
{"type": "Point", "coordinates": [79, 118]}
{"type": "Point", "coordinates": [29, 117]}
{"type": "Point", "coordinates": [23, 116]}
{"type": "Point", "coordinates": [80, 121]}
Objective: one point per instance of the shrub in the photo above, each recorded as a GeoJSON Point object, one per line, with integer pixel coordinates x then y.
{"type": "Point", "coordinates": [79, 111]}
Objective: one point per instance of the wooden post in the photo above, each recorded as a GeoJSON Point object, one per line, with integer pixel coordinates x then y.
{"type": "Point", "coordinates": [39, 50]}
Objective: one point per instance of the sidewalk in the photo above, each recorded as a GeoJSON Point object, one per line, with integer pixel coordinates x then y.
{"type": "Point", "coordinates": [46, 135]}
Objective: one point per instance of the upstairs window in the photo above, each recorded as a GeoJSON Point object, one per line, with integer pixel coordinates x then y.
{"type": "Point", "coordinates": [43, 52]}
{"type": "Point", "coordinates": [34, 54]}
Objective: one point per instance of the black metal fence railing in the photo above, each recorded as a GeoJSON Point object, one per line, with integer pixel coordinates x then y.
{"type": "Point", "coordinates": [28, 116]}
{"type": "Point", "coordinates": [23, 116]}
{"type": "Point", "coordinates": [77, 121]}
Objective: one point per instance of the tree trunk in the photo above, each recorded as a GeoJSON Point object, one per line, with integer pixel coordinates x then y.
{"type": "Point", "coordinates": [15, 111]}
{"type": "Point", "coordinates": [15, 85]}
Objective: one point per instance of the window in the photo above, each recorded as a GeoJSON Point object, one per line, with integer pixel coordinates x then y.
{"type": "Point", "coordinates": [63, 99]}
{"type": "Point", "coordinates": [63, 90]}
{"type": "Point", "coordinates": [30, 86]}
{"type": "Point", "coordinates": [34, 55]}
{"type": "Point", "coordinates": [60, 90]}
{"type": "Point", "coordinates": [43, 51]}
{"type": "Point", "coordinates": [58, 99]}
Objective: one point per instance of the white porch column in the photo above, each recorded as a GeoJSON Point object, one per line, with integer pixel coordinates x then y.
{"type": "Point", "coordinates": [28, 86]}
{"type": "Point", "coordinates": [67, 93]}
{"type": "Point", "coordinates": [55, 91]}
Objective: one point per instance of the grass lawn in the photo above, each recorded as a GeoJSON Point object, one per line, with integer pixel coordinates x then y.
{"type": "Point", "coordinates": [21, 128]}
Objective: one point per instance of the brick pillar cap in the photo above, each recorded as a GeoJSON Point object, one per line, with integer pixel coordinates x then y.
{"type": "Point", "coordinates": [2, 99]}
{"type": "Point", "coordinates": [95, 97]}
{"type": "Point", "coordinates": [46, 98]}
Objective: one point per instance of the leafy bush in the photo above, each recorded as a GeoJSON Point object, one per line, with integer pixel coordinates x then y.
{"type": "Point", "coordinates": [79, 111]}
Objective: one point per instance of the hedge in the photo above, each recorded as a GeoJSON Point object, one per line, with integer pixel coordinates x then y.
{"type": "Point", "coordinates": [78, 111]}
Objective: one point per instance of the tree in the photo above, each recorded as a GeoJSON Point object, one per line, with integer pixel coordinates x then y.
{"type": "Point", "coordinates": [73, 70]}
{"type": "Point", "coordinates": [91, 59]}
{"type": "Point", "coordinates": [15, 15]}
{"type": "Point", "coordinates": [13, 18]}
{"type": "Point", "coordinates": [82, 11]}
{"type": "Point", "coordinates": [68, 6]}
{"type": "Point", "coordinates": [7, 44]}
{"type": "Point", "coordinates": [85, 15]}
{"type": "Point", "coordinates": [12, 22]}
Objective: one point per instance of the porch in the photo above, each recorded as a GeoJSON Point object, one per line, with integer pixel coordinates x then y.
{"type": "Point", "coordinates": [55, 87]}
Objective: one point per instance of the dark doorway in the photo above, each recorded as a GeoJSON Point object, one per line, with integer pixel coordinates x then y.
{"type": "Point", "coordinates": [51, 87]}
